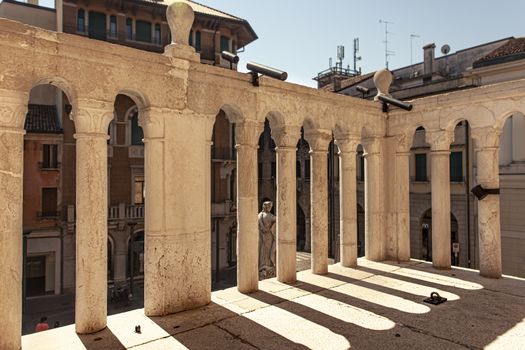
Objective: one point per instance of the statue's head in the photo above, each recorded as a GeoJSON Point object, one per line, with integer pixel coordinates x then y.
{"type": "Point", "coordinates": [267, 206]}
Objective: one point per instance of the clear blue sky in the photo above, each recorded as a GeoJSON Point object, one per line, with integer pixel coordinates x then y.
{"type": "Point", "coordinates": [299, 36]}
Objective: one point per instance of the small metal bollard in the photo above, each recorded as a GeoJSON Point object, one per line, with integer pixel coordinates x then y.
{"type": "Point", "coordinates": [137, 329]}
{"type": "Point", "coordinates": [435, 299]}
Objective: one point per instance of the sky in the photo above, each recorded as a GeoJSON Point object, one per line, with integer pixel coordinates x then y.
{"type": "Point", "coordinates": [299, 36]}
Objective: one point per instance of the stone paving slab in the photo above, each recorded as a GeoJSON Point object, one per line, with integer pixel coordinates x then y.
{"type": "Point", "coordinates": [375, 306]}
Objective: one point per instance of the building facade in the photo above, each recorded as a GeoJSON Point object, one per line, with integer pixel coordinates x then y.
{"type": "Point", "coordinates": [498, 61]}
{"type": "Point", "coordinates": [50, 212]}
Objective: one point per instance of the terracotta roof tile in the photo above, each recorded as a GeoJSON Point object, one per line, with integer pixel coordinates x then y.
{"type": "Point", "coordinates": [42, 119]}
{"type": "Point", "coordinates": [514, 46]}
{"type": "Point", "coordinates": [199, 8]}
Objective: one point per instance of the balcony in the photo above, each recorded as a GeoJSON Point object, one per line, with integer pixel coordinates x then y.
{"type": "Point", "coordinates": [126, 212]}
{"type": "Point", "coordinates": [374, 306]}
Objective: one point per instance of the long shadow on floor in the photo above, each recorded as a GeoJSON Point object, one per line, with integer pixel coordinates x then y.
{"type": "Point", "coordinates": [104, 339]}
{"type": "Point", "coordinates": [215, 327]}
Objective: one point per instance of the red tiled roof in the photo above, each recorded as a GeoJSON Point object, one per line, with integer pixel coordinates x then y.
{"type": "Point", "coordinates": [42, 119]}
{"type": "Point", "coordinates": [199, 8]}
{"type": "Point", "coordinates": [512, 47]}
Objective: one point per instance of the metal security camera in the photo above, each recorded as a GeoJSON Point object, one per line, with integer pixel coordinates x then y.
{"type": "Point", "coordinates": [256, 69]}
{"type": "Point", "coordinates": [481, 192]}
{"type": "Point", "coordinates": [230, 57]}
{"type": "Point", "coordinates": [390, 100]}
{"type": "Point", "coordinates": [363, 90]}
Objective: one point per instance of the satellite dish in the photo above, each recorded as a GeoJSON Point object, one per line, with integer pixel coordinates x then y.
{"type": "Point", "coordinates": [445, 49]}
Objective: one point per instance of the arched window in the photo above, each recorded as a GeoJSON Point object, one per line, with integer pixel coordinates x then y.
{"type": "Point", "coordinates": [81, 21]}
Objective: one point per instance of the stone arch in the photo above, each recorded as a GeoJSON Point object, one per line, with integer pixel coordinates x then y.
{"type": "Point", "coordinates": [310, 125]}
{"type": "Point", "coordinates": [62, 84]}
{"type": "Point", "coordinates": [503, 117]}
{"type": "Point", "coordinates": [276, 120]}
{"type": "Point", "coordinates": [138, 97]}
{"type": "Point", "coordinates": [233, 112]}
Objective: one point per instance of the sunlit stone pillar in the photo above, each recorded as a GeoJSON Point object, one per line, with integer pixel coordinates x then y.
{"type": "Point", "coordinates": [347, 200]}
{"type": "Point", "coordinates": [319, 141]}
{"type": "Point", "coordinates": [489, 230]}
{"type": "Point", "coordinates": [177, 222]}
{"type": "Point", "coordinates": [440, 186]}
{"type": "Point", "coordinates": [247, 135]}
{"type": "Point", "coordinates": [13, 108]}
{"type": "Point", "coordinates": [286, 140]}
{"type": "Point", "coordinates": [91, 124]}
{"type": "Point", "coordinates": [374, 242]}
{"type": "Point", "coordinates": [402, 192]}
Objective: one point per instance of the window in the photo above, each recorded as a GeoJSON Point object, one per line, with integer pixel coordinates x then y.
{"type": "Point", "coordinates": [49, 202]}
{"type": "Point", "coordinates": [225, 43]}
{"type": "Point", "coordinates": [143, 31]}
{"type": "Point", "coordinates": [97, 25]}
{"type": "Point", "coordinates": [421, 167]}
{"type": "Point", "coordinates": [456, 167]}
{"type": "Point", "coordinates": [50, 157]}
{"type": "Point", "coordinates": [136, 131]}
{"type": "Point", "coordinates": [113, 26]}
{"type": "Point", "coordinates": [129, 29]}
{"type": "Point", "coordinates": [81, 21]}
{"type": "Point", "coordinates": [156, 34]}
{"type": "Point", "coordinates": [198, 41]}
{"type": "Point", "coordinates": [138, 189]}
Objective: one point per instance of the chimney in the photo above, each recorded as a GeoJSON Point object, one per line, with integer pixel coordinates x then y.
{"type": "Point", "coordinates": [428, 63]}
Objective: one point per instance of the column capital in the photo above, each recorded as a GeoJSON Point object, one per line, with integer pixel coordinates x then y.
{"type": "Point", "coordinates": [151, 120]}
{"type": "Point", "coordinates": [371, 146]}
{"type": "Point", "coordinates": [319, 140]}
{"type": "Point", "coordinates": [286, 136]}
{"type": "Point", "coordinates": [247, 133]}
{"type": "Point", "coordinates": [92, 117]}
{"type": "Point", "coordinates": [347, 144]}
{"type": "Point", "coordinates": [440, 140]}
{"type": "Point", "coordinates": [485, 138]}
{"type": "Point", "coordinates": [13, 109]}
{"type": "Point", "coordinates": [404, 143]}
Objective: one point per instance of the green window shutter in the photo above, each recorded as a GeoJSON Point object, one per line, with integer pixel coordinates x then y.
{"type": "Point", "coordinates": [456, 166]}
{"type": "Point", "coordinates": [97, 25]}
{"type": "Point", "coordinates": [421, 167]}
{"type": "Point", "coordinates": [143, 31]}
{"type": "Point", "coordinates": [225, 43]}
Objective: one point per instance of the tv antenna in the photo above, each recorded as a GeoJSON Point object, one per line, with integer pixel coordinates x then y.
{"type": "Point", "coordinates": [412, 37]}
{"type": "Point", "coordinates": [356, 51]}
{"type": "Point", "coordinates": [340, 55]}
{"type": "Point", "coordinates": [388, 53]}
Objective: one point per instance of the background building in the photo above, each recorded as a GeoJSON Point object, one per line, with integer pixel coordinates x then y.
{"type": "Point", "coordinates": [493, 62]}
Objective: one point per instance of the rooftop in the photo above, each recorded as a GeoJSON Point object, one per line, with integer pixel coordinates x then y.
{"type": "Point", "coordinates": [42, 119]}
{"type": "Point", "coordinates": [375, 306]}
{"type": "Point", "coordinates": [513, 50]}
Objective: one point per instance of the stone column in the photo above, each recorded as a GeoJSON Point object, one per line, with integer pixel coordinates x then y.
{"type": "Point", "coordinates": [246, 137]}
{"type": "Point", "coordinates": [91, 124]}
{"type": "Point", "coordinates": [13, 109]}
{"type": "Point", "coordinates": [440, 186]}
{"type": "Point", "coordinates": [178, 210]}
{"type": "Point", "coordinates": [286, 140]}
{"type": "Point", "coordinates": [402, 192]}
{"type": "Point", "coordinates": [374, 242]}
{"type": "Point", "coordinates": [347, 200]}
{"type": "Point", "coordinates": [489, 230]}
{"type": "Point", "coordinates": [319, 141]}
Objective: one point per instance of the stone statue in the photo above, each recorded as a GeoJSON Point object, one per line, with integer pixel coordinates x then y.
{"type": "Point", "coordinates": [266, 241]}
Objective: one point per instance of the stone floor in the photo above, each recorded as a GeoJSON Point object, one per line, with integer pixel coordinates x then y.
{"type": "Point", "coordinates": [376, 306]}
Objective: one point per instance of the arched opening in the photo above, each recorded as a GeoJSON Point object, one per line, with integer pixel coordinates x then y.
{"type": "Point", "coordinates": [511, 170]}
{"type": "Point", "coordinates": [333, 202]}
{"type": "Point", "coordinates": [360, 197]}
{"type": "Point", "coordinates": [360, 231]}
{"type": "Point", "coordinates": [223, 199]}
{"type": "Point", "coordinates": [301, 230]}
{"type": "Point", "coordinates": [426, 237]}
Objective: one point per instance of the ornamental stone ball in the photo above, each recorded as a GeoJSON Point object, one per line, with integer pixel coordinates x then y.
{"type": "Point", "coordinates": [180, 18]}
{"type": "Point", "coordinates": [382, 81]}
